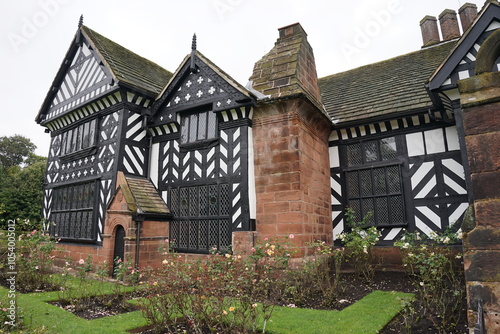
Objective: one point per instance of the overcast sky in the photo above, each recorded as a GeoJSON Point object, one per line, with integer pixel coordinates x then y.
{"type": "Point", "coordinates": [234, 34]}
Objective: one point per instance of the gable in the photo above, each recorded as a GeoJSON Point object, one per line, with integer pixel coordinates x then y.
{"type": "Point", "coordinates": [85, 79]}
{"type": "Point", "coordinates": [461, 62]}
{"type": "Point", "coordinates": [139, 195]}
{"type": "Point", "coordinates": [93, 71]}
{"type": "Point", "coordinates": [205, 86]}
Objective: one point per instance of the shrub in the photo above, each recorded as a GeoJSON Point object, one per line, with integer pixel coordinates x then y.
{"type": "Point", "coordinates": [359, 242]}
{"type": "Point", "coordinates": [126, 272]}
{"type": "Point", "coordinates": [270, 259]}
{"type": "Point", "coordinates": [34, 261]}
{"type": "Point", "coordinates": [324, 269]}
{"type": "Point", "coordinates": [218, 293]}
{"type": "Point", "coordinates": [432, 266]}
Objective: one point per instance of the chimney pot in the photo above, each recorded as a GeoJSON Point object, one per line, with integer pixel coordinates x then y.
{"type": "Point", "coordinates": [449, 24]}
{"type": "Point", "coordinates": [468, 13]}
{"type": "Point", "coordinates": [430, 32]}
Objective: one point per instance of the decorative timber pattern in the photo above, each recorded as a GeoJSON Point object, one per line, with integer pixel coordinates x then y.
{"type": "Point", "coordinates": [435, 196]}
{"type": "Point", "coordinates": [203, 178]}
{"type": "Point", "coordinates": [85, 80]}
{"type": "Point", "coordinates": [52, 173]}
{"type": "Point", "coordinates": [135, 153]}
{"type": "Point", "coordinates": [169, 162]}
{"type": "Point", "coordinates": [439, 192]}
{"type": "Point", "coordinates": [466, 68]}
{"type": "Point", "coordinates": [68, 177]}
{"type": "Point", "coordinates": [93, 113]}
{"type": "Point", "coordinates": [87, 110]}
{"type": "Point", "coordinates": [108, 144]}
{"type": "Point", "coordinates": [217, 162]}
{"type": "Point", "coordinates": [105, 193]}
{"type": "Point", "coordinates": [392, 125]}
{"type": "Point", "coordinates": [47, 203]}
{"type": "Point", "coordinates": [203, 86]}
{"type": "Point", "coordinates": [164, 129]}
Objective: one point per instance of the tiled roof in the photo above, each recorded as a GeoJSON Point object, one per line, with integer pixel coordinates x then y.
{"type": "Point", "coordinates": [146, 197]}
{"type": "Point", "coordinates": [128, 67]}
{"type": "Point", "coordinates": [387, 87]}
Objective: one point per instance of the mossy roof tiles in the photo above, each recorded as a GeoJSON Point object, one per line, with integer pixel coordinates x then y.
{"type": "Point", "coordinates": [384, 88]}
{"type": "Point", "coordinates": [146, 197]}
{"type": "Point", "coordinates": [128, 67]}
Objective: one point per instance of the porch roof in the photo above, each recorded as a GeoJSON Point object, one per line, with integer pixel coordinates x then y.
{"type": "Point", "coordinates": [143, 198]}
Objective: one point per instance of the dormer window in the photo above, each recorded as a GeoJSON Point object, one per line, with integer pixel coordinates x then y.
{"type": "Point", "coordinates": [197, 127]}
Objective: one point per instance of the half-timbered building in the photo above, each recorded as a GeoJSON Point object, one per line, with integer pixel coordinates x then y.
{"type": "Point", "coordinates": [226, 164]}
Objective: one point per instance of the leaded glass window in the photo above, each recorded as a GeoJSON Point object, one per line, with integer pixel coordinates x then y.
{"type": "Point", "coordinates": [371, 151]}
{"type": "Point", "coordinates": [374, 182]}
{"type": "Point", "coordinates": [79, 138]}
{"type": "Point", "coordinates": [198, 127]}
{"type": "Point", "coordinates": [73, 212]}
{"type": "Point", "coordinates": [202, 218]}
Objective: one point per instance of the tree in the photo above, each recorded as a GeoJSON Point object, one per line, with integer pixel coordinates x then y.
{"type": "Point", "coordinates": [15, 150]}
{"type": "Point", "coordinates": [21, 181]}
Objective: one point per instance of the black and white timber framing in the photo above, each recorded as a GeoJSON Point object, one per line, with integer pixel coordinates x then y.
{"type": "Point", "coordinates": [432, 175]}
{"type": "Point", "coordinates": [190, 134]}
{"type": "Point", "coordinates": [94, 134]}
{"type": "Point", "coordinates": [207, 182]}
{"type": "Point", "coordinates": [99, 127]}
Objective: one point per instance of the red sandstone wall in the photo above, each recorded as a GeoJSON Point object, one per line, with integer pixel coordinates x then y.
{"type": "Point", "coordinates": [481, 121]}
{"type": "Point", "coordinates": [292, 172]}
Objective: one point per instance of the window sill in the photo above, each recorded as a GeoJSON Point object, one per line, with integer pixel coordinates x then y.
{"type": "Point", "coordinates": [391, 225]}
{"type": "Point", "coordinates": [202, 144]}
{"type": "Point", "coordinates": [78, 154]}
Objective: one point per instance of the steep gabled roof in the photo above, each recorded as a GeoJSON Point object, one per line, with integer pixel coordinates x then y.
{"type": "Point", "coordinates": [128, 67]}
{"type": "Point", "coordinates": [206, 83]}
{"type": "Point", "coordinates": [124, 67]}
{"type": "Point", "coordinates": [388, 87]}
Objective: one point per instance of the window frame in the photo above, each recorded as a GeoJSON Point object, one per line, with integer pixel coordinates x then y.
{"type": "Point", "coordinates": [69, 204]}
{"type": "Point", "coordinates": [396, 159]}
{"type": "Point", "coordinates": [79, 140]}
{"type": "Point", "coordinates": [210, 136]}
{"type": "Point", "coordinates": [200, 207]}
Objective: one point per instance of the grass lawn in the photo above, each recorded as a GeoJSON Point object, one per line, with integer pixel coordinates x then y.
{"type": "Point", "coordinates": [368, 315]}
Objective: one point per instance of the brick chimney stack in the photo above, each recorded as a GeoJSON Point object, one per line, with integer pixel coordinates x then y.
{"type": "Point", "coordinates": [468, 13]}
{"type": "Point", "coordinates": [449, 24]}
{"type": "Point", "coordinates": [429, 28]}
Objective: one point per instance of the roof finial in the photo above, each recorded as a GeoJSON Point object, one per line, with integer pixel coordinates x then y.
{"type": "Point", "coordinates": [193, 53]}
{"type": "Point", "coordinates": [78, 38]}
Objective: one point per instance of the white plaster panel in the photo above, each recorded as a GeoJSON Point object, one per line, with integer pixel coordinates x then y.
{"type": "Point", "coordinates": [334, 156]}
{"type": "Point", "coordinates": [452, 138]}
{"type": "Point", "coordinates": [434, 141]}
{"type": "Point", "coordinates": [415, 144]}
